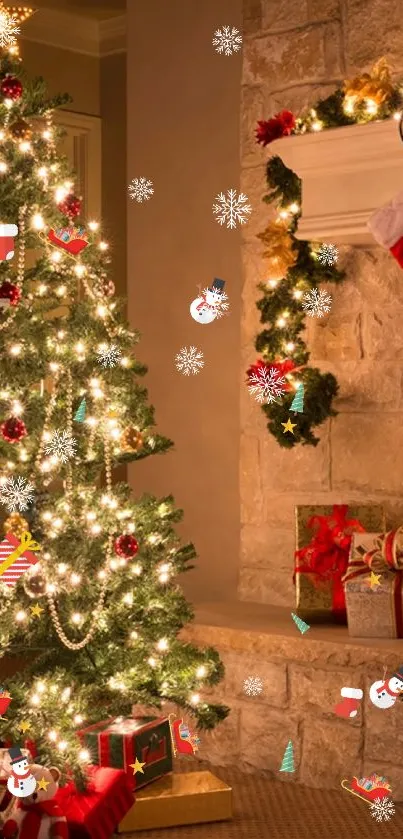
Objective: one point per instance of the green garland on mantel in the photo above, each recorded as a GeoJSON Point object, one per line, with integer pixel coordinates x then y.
{"type": "Point", "coordinates": [364, 99]}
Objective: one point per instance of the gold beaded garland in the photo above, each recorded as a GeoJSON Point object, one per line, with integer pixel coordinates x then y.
{"type": "Point", "coordinates": [16, 525]}
{"type": "Point", "coordinates": [131, 440]}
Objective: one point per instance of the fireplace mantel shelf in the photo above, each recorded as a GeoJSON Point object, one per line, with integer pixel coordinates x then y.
{"type": "Point", "coordinates": [346, 174]}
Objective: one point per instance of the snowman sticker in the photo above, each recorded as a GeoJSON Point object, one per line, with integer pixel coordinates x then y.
{"type": "Point", "coordinates": [211, 304]}
{"type": "Point", "coordinates": [20, 782]}
{"type": "Point", "coordinates": [384, 693]}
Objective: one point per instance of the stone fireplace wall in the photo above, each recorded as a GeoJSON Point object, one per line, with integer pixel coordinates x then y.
{"type": "Point", "coordinates": [296, 51]}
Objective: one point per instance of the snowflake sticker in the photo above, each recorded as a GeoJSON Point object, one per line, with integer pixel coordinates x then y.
{"type": "Point", "coordinates": [266, 384]}
{"type": "Point", "coordinates": [316, 303]}
{"type": "Point", "coordinates": [141, 190]}
{"type": "Point", "coordinates": [16, 494]}
{"type": "Point", "coordinates": [231, 209]}
{"type": "Point", "coordinates": [228, 40]}
{"type": "Point", "coordinates": [61, 445]}
{"type": "Point", "coordinates": [8, 29]}
{"type": "Point", "coordinates": [108, 355]}
{"type": "Point", "coordinates": [328, 254]}
{"type": "Point", "coordinates": [189, 360]}
{"type": "Point", "coordinates": [252, 686]}
{"type": "Point", "coordinates": [382, 809]}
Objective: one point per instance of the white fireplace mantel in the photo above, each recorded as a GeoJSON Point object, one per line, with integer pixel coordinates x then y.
{"type": "Point", "coordinates": [346, 174]}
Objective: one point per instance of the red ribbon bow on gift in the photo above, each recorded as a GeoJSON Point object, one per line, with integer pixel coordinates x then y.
{"type": "Point", "coordinates": [328, 552]}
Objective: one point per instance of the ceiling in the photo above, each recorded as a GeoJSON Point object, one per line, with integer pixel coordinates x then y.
{"type": "Point", "coordinates": [95, 9]}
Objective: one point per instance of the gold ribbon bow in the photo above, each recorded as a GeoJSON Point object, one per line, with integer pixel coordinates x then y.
{"type": "Point", "coordinates": [376, 85]}
{"type": "Point", "coordinates": [27, 544]}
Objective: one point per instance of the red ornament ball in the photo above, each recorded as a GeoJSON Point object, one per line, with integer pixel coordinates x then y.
{"type": "Point", "coordinates": [13, 430]}
{"type": "Point", "coordinates": [11, 292]}
{"type": "Point", "coordinates": [126, 546]}
{"type": "Point", "coordinates": [11, 87]}
{"type": "Point", "coordinates": [70, 206]}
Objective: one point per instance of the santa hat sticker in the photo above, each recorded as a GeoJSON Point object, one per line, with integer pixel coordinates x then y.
{"type": "Point", "coordinates": [7, 234]}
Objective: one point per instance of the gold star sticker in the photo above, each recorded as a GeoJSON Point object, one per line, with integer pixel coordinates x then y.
{"type": "Point", "coordinates": [43, 784]}
{"type": "Point", "coordinates": [288, 426]}
{"type": "Point", "coordinates": [36, 610]}
{"type": "Point", "coordinates": [24, 726]}
{"type": "Point", "coordinates": [374, 580]}
{"type": "Point", "coordinates": [137, 767]}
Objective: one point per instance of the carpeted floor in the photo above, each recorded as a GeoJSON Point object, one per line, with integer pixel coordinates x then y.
{"type": "Point", "coordinates": [265, 809]}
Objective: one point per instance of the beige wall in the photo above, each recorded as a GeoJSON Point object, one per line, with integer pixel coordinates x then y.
{"type": "Point", "coordinates": [66, 72]}
{"type": "Point", "coordinates": [114, 190]}
{"type": "Point", "coordinates": [294, 54]}
{"type": "Point", "coordinates": [183, 134]}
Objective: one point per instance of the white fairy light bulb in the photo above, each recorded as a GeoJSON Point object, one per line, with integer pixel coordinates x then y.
{"type": "Point", "coordinates": [297, 294]}
{"type": "Point", "coordinates": [317, 125]}
{"type": "Point", "coordinates": [96, 529]}
{"type": "Point", "coordinates": [195, 699]}
{"type": "Point", "coordinates": [281, 322]}
{"type": "Point", "coordinates": [56, 256]}
{"type": "Point", "coordinates": [47, 515]}
{"type": "Point", "coordinates": [51, 588]}
{"type": "Point", "coordinates": [124, 361]}
{"type": "Point", "coordinates": [134, 635]}
{"type": "Point", "coordinates": [103, 246]}
{"type": "Point", "coordinates": [62, 746]}
{"type": "Point", "coordinates": [93, 225]}
{"type": "Point", "coordinates": [37, 221]}
{"type": "Point", "coordinates": [371, 107]}
{"type": "Point", "coordinates": [290, 347]}
{"type": "Point", "coordinates": [79, 347]}
{"type": "Point", "coordinates": [80, 270]}
{"type": "Point", "coordinates": [40, 687]}
{"type": "Point", "coordinates": [23, 455]}
{"type": "Point", "coordinates": [47, 134]}
{"type": "Point", "coordinates": [35, 699]}
{"type": "Point", "coordinates": [66, 694]}
{"type": "Point", "coordinates": [283, 214]}
{"type": "Point", "coordinates": [42, 172]}
{"type": "Point", "coordinates": [84, 755]}
{"type": "Point", "coordinates": [75, 579]}
{"type": "Point", "coordinates": [52, 736]}
{"type": "Point", "coordinates": [21, 616]}
{"type": "Point", "coordinates": [152, 662]}
{"type": "Point", "coordinates": [3, 166]}
{"type": "Point", "coordinates": [272, 283]}
{"type": "Point", "coordinates": [201, 672]}
{"type": "Point", "coordinates": [60, 194]}
{"type": "Point", "coordinates": [128, 599]}
{"type": "Point", "coordinates": [397, 116]}
{"type": "Point", "coordinates": [57, 523]}
{"type": "Point", "coordinates": [15, 349]}
{"type": "Point", "coordinates": [101, 311]}
{"type": "Point", "coordinates": [294, 207]}
{"type": "Point", "coordinates": [91, 516]}
{"type": "Point", "coordinates": [136, 569]}
{"type": "Point", "coordinates": [78, 719]}
{"type": "Point", "coordinates": [101, 575]}
{"type": "Point", "coordinates": [25, 146]}
{"type": "Point", "coordinates": [162, 645]}
{"type": "Point", "coordinates": [76, 618]}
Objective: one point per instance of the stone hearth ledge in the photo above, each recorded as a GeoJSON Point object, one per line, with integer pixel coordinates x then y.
{"type": "Point", "coordinates": [302, 676]}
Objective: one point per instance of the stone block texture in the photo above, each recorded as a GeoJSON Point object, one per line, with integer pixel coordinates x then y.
{"type": "Point", "coordinates": [302, 678]}
{"type": "Point", "coordinates": [295, 52]}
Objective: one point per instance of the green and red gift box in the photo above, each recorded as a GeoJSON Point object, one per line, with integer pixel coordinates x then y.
{"type": "Point", "coordinates": [118, 742]}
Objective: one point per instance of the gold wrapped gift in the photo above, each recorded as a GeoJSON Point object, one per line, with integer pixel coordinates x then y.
{"type": "Point", "coordinates": [373, 585]}
{"type": "Point", "coordinates": [314, 595]}
{"type": "Point", "coordinates": [178, 799]}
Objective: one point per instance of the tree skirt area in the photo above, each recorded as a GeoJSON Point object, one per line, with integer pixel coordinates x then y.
{"type": "Point", "coordinates": [266, 809]}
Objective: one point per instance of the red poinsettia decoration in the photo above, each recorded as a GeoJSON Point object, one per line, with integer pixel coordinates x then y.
{"type": "Point", "coordinates": [282, 367]}
{"type": "Point", "coordinates": [281, 125]}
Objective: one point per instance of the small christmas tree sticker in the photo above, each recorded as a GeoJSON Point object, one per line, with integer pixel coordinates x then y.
{"type": "Point", "coordinates": [297, 404]}
{"type": "Point", "coordinates": [79, 416]}
{"type": "Point", "coordinates": [287, 764]}
{"type": "Point", "coordinates": [302, 626]}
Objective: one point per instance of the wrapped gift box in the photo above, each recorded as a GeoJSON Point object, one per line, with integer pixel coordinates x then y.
{"type": "Point", "coordinates": [118, 742]}
{"type": "Point", "coordinates": [179, 799]}
{"type": "Point", "coordinates": [95, 813]}
{"type": "Point", "coordinates": [315, 594]}
{"type": "Point", "coordinates": [375, 612]}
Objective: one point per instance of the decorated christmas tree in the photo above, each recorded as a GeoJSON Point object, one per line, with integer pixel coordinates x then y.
{"type": "Point", "coordinates": [287, 764]}
{"type": "Point", "coordinates": [89, 601]}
